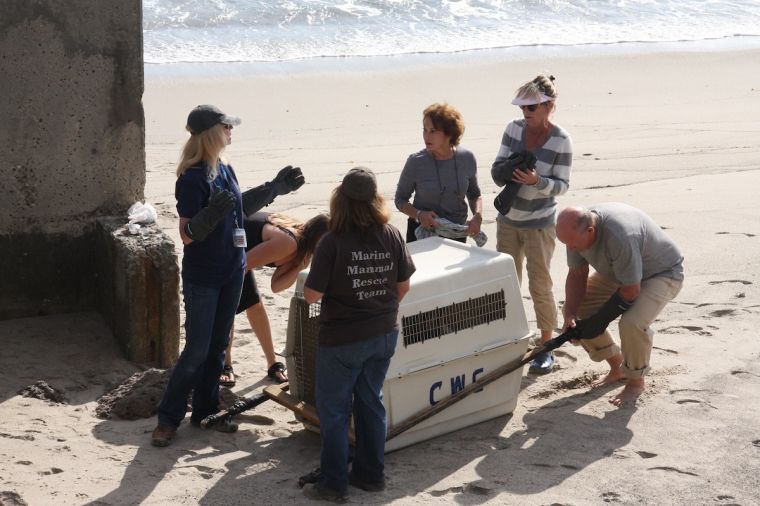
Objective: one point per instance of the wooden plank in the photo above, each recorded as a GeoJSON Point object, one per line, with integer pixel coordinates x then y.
{"type": "Point", "coordinates": [278, 394]}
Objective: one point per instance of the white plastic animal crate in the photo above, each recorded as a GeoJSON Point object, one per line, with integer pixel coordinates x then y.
{"type": "Point", "coordinates": [463, 317]}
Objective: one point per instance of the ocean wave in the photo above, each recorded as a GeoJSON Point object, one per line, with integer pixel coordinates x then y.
{"type": "Point", "coordinates": [266, 31]}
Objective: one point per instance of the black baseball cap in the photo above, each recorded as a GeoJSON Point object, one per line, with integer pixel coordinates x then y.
{"type": "Point", "coordinates": [204, 117]}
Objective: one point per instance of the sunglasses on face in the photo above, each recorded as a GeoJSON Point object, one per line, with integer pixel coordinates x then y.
{"type": "Point", "coordinates": [226, 126]}
{"type": "Point", "coordinates": [531, 107]}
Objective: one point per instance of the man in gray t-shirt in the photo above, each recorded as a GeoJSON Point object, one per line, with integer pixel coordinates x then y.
{"type": "Point", "coordinates": [639, 269]}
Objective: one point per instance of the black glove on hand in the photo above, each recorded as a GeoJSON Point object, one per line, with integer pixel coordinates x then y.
{"type": "Point", "coordinates": [205, 221]}
{"type": "Point", "coordinates": [287, 180]}
{"type": "Point", "coordinates": [503, 201]}
{"type": "Point", "coordinates": [505, 168]}
{"type": "Point", "coordinates": [595, 325]}
{"type": "Point", "coordinates": [528, 161]}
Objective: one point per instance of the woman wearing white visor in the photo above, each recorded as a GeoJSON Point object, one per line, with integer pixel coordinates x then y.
{"type": "Point", "coordinates": [533, 164]}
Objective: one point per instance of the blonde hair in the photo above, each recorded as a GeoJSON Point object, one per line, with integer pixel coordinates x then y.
{"type": "Point", "coordinates": [347, 214]}
{"type": "Point", "coordinates": [205, 146]}
{"type": "Point", "coordinates": [447, 118]}
{"type": "Point", "coordinates": [542, 84]}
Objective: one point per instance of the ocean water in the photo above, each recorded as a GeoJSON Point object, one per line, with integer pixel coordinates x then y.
{"type": "Point", "coordinates": [256, 31]}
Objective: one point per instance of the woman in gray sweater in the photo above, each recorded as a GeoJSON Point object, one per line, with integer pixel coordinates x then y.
{"type": "Point", "coordinates": [441, 176]}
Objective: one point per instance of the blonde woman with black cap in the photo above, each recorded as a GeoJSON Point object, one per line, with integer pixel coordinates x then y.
{"type": "Point", "coordinates": [533, 164]}
{"type": "Point", "coordinates": [211, 209]}
{"type": "Point", "coordinates": [360, 271]}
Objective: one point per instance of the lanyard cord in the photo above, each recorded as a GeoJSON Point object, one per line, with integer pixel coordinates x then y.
{"type": "Point", "coordinates": [226, 185]}
{"type": "Point", "coordinates": [438, 175]}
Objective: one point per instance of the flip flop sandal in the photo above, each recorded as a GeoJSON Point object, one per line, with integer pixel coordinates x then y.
{"type": "Point", "coordinates": [277, 367]}
{"type": "Point", "coordinates": [229, 373]}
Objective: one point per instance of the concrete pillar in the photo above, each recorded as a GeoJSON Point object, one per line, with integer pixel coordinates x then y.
{"type": "Point", "coordinates": [72, 147]}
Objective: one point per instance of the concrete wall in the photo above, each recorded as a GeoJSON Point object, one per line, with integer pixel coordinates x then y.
{"type": "Point", "coordinates": [72, 142]}
{"type": "Point", "coordinates": [138, 291]}
{"type": "Point", "coordinates": [72, 146]}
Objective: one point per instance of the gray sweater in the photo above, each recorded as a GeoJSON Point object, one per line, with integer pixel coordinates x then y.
{"type": "Point", "coordinates": [439, 185]}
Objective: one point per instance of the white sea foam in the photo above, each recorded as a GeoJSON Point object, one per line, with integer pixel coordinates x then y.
{"type": "Point", "coordinates": [279, 31]}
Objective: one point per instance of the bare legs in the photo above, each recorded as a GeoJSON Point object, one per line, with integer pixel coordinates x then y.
{"type": "Point", "coordinates": [259, 321]}
{"type": "Point", "coordinates": [633, 388]}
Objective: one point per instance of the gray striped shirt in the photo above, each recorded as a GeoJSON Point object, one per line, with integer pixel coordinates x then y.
{"type": "Point", "coordinates": [535, 206]}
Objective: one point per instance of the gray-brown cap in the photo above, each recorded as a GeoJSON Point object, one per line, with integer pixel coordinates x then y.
{"type": "Point", "coordinates": [359, 184]}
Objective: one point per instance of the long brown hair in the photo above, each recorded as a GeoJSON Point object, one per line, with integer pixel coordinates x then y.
{"type": "Point", "coordinates": [307, 234]}
{"type": "Point", "coordinates": [347, 214]}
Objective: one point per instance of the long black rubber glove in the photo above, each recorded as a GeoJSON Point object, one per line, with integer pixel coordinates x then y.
{"type": "Point", "coordinates": [219, 205]}
{"type": "Point", "coordinates": [287, 180]}
{"type": "Point", "coordinates": [596, 324]}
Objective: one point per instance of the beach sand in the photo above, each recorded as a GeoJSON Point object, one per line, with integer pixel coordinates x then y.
{"type": "Point", "coordinates": [675, 134]}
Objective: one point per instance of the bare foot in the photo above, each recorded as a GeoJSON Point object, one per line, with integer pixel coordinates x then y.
{"type": "Point", "coordinates": [611, 377]}
{"type": "Point", "coordinates": [614, 374]}
{"type": "Point", "coordinates": [632, 390]}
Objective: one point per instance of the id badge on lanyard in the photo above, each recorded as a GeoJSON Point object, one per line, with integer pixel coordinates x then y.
{"type": "Point", "coordinates": [238, 235]}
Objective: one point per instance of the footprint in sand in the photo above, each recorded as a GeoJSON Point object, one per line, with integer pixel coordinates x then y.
{"type": "Point", "coordinates": [742, 281]}
{"type": "Point", "coordinates": [611, 497]}
{"type": "Point", "coordinates": [479, 487]}
{"type": "Point", "coordinates": [691, 328]}
{"type": "Point", "coordinates": [452, 490]}
{"type": "Point", "coordinates": [53, 470]}
{"type": "Point", "coordinates": [736, 233]}
{"type": "Point", "coordinates": [205, 471]}
{"type": "Point", "coordinates": [666, 350]}
{"type": "Point", "coordinates": [672, 469]}
{"type": "Point", "coordinates": [740, 372]}
{"type": "Point", "coordinates": [722, 312]}
{"type": "Point", "coordinates": [695, 401]}
{"type": "Point", "coordinates": [646, 455]}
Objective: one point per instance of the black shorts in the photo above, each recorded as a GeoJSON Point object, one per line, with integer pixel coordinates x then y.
{"type": "Point", "coordinates": [250, 294]}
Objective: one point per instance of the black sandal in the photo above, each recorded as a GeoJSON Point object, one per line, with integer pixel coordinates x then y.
{"type": "Point", "coordinates": [230, 381]}
{"type": "Point", "coordinates": [277, 367]}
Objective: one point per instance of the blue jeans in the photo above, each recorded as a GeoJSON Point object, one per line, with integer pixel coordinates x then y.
{"type": "Point", "coordinates": [353, 372]}
{"type": "Point", "coordinates": [209, 313]}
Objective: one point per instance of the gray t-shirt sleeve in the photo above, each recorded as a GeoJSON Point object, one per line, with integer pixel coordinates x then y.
{"type": "Point", "coordinates": [473, 188]}
{"type": "Point", "coordinates": [406, 185]}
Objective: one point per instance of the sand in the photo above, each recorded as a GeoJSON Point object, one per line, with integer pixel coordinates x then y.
{"type": "Point", "coordinates": [675, 134]}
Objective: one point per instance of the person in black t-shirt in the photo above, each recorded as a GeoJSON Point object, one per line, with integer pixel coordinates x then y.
{"type": "Point", "coordinates": [361, 271]}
